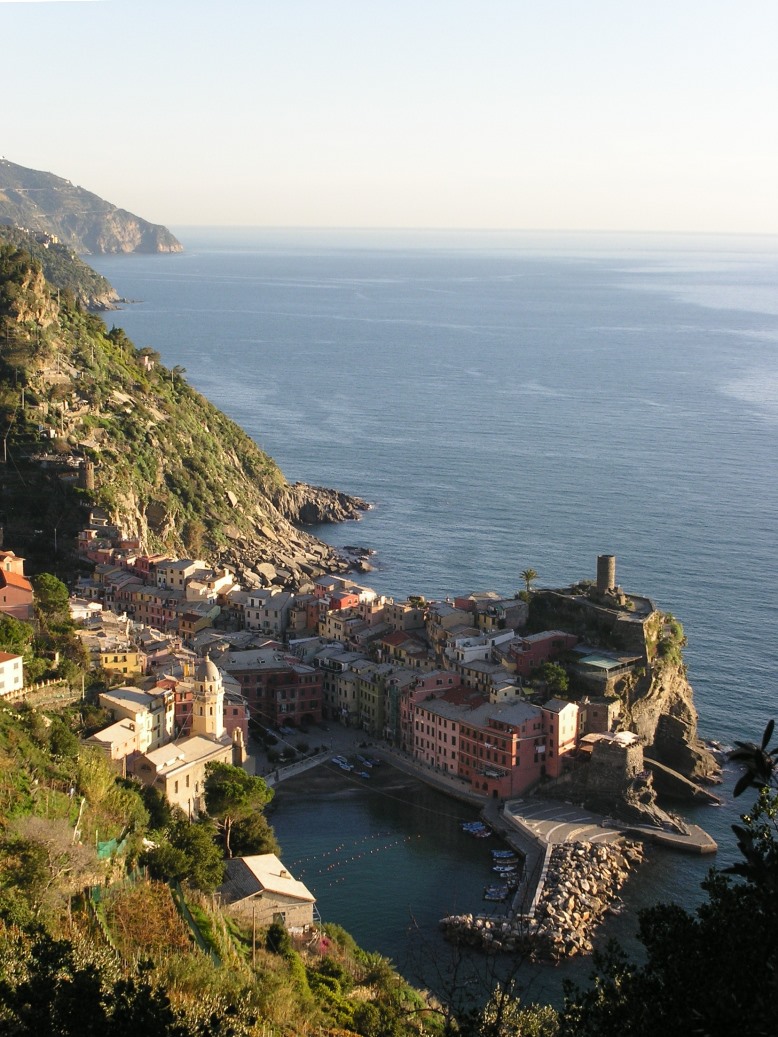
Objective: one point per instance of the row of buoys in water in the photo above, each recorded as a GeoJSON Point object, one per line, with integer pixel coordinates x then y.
{"type": "Point", "coordinates": [336, 849]}
{"type": "Point", "coordinates": [358, 856]}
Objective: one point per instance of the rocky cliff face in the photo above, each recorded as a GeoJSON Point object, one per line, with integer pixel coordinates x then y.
{"type": "Point", "coordinates": [306, 505]}
{"type": "Point", "coordinates": [62, 267]}
{"type": "Point", "coordinates": [279, 554]}
{"type": "Point", "coordinates": [31, 304]}
{"type": "Point", "coordinates": [122, 231]}
{"type": "Point", "coordinates": [42, 202]}
{"type": "Point", "coordinates": [660, 709]}
{"type": "Point", "coordinates": [263, 546]}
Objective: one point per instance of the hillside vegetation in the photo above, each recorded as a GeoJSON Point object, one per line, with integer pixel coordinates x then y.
{"type": "Point", "coordinates": [170, 467]}
{"type": "Point", "coordinates": [63, 268]}
{"type": "Point", "coordinates": [42, 202]}
{"type": "Point", "coordinates": [94, 941]}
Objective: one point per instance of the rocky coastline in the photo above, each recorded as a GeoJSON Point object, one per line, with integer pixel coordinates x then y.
{"type": "Point", "coordinates": [580, 886]}
{"type": "Point", "coordinates": [279, 553]}
{"type": "Point", "coordinates": [305, 505]}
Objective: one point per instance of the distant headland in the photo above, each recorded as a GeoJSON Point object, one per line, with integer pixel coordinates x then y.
{"type": "Point", "coordinates": [58, 210]}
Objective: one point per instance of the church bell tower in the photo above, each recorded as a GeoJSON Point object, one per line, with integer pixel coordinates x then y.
{"type": "Point", "coordinates": [208, 702]}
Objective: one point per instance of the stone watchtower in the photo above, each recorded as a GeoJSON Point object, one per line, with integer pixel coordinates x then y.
{"type": "Point", "coordinates": [607, 592]}
{"type": "Point", "coordinates": [88, 475]}
{"type": "Point", "coordinates": [606, 573]}
{"type": "Point", "coordinates": [208, 701]}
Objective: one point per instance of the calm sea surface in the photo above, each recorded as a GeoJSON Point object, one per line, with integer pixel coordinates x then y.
{"type": "Point", "coordinates": [506, 401]}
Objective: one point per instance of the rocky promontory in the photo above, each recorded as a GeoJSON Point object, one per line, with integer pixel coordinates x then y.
{"type": "Point", "coordinates": [655, 699]}
{"type": "Point", "coordinates": [306, 505]}
{"type": "Point", "coordinates": [104, 424]}
{"type": "Point", "coordinates": [277, 552]}
{"type": "Point", "coordinates": [81, 220]}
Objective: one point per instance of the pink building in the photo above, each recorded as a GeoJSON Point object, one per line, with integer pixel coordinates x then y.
{"type": "Point", "coordinates": [15, 589]}
{"type": "Point", "coordinates": [500, 748]}
{"type": "Point", "coordinates": [528, 653]}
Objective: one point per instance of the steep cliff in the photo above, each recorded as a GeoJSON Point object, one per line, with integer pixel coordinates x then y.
{"type": "Point", "coordinates": [659, 708]}
{"type": "Point", "coordinates": [44, 203]}
{"type": "Point", "coordinates": [93, 420]}
{"type": "Point", "coordinates": [657, 700]}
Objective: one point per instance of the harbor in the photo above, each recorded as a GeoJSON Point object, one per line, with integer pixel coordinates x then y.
{"type": "Point", "coordinates": [557, 844]}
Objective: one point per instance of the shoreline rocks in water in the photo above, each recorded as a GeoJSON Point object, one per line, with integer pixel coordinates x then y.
{"type": "Point", "coordinates": [306, 505]}
{"type": "Point", "coordinates": [581, 884]}
{"type": "Point", "coordinates": [280, 553]}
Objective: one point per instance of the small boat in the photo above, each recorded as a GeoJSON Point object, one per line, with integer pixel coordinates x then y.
{"type": "Point", "coordinates": [477, 829]}
{"type": "Point", "coordinates": [496, 894]}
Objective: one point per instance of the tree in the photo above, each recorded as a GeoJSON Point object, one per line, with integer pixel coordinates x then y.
{"type": "Point", "coordinates": [529, 576]}
{"type": "Point", "coordinates": [253, 834]}
{"type": "Point", "coordinates": [555, 677]}
{"type": "Point", "coordinates": [51, 595]}
{"type": "Point", "coordinates": [167, 863]}
{"type": "Point", "coordinates": [232, 795]}
{"type": "Point", "coordinates": [714, 971]}
{"type": "Point", "coordinates": [51, 987]}
{"type": "Point", "coordinates": [198, 841]}
{"type": "Point", "coordinates": [63, 744]}
{"type": "Point", "coordinates": [504, 1015]}
{"type": "Point", "coordinates": [158, 807]}
{"type": "Point", "coordinates": [40, 861]}
{"type": "Point", "coordinates": [16, 637]}
{"type": "Point", "coordinates": [189, 854]}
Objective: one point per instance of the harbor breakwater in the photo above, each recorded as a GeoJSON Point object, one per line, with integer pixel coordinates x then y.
{"type": "Point", "coordinates": [581, 885]}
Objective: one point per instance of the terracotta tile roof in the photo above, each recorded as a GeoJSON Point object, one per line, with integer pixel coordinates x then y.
{"type": "Point", "coordinates": [11, 579]}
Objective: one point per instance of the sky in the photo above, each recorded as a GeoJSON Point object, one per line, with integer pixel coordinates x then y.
{"type": "Point", "coordinates": [615, 115]}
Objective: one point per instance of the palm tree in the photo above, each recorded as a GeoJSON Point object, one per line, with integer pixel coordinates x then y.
{"type": "Point", "coordinates": [528, 575]}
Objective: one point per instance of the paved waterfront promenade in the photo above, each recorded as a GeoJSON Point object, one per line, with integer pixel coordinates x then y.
{"type": "Point", "coordinates": [544, 823]}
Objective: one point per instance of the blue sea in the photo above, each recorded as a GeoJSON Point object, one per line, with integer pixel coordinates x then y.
{"type": "Point", "coordinates": [509, 401]}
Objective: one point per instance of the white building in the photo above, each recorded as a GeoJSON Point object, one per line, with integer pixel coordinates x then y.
{"type": "Point", "coordinates": [11, 674]}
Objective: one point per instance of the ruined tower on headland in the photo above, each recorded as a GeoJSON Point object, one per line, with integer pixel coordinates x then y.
{"type": "Point", "coordinates": [606, 573]}
{"type": "Point", "coordinates": [607, 591]}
